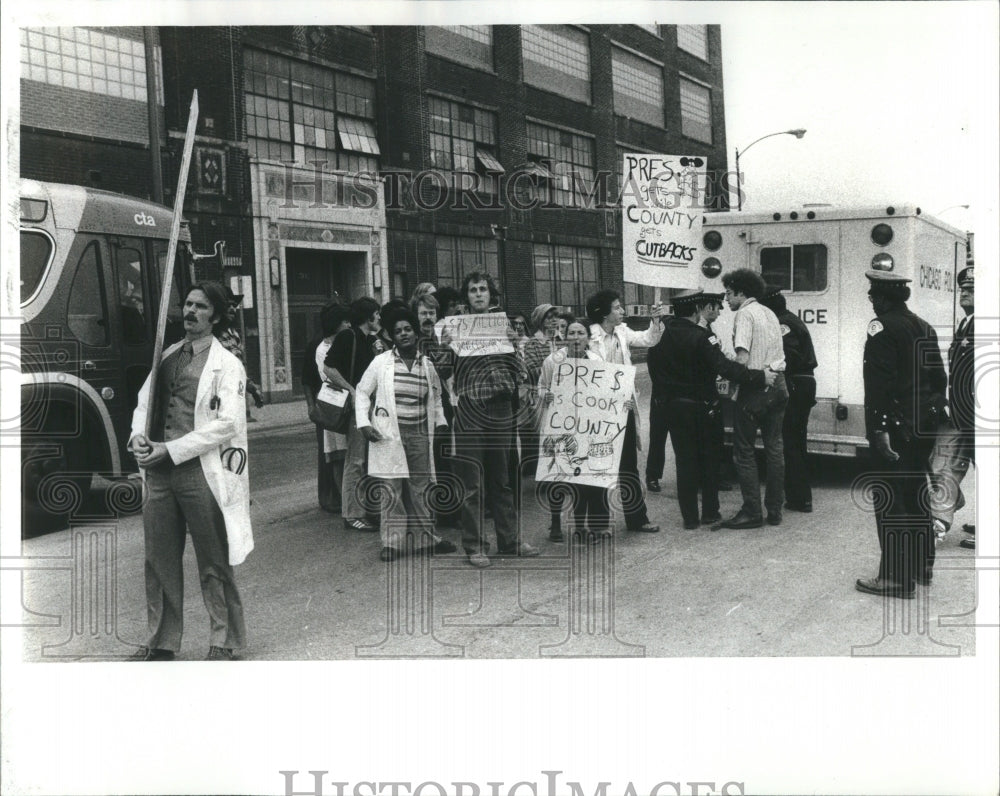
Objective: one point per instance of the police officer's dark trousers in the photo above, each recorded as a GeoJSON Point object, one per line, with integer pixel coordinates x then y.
{"type": "Point", "coordinates": [903, 514]}
{"type": "Point", "coordinates": [801, 399]}
{"type": "Point", "coordinates": [659, 428]}
{"type": "Point", "coordinates": [691, 434]}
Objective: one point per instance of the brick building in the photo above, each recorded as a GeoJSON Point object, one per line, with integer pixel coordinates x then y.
{"type": "Point", "coordinates": [419, 153]}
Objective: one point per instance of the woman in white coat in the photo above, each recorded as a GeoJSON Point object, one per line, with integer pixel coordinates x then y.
{"type": "Point", "coordinates": [400, 425]}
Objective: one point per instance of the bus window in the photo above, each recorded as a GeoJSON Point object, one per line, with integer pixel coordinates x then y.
{"type": "Point", "coordinates": [175, 315]}
{"type": "Point", "coordinates": [128, 266]}
{"type": "Point", "coordinates": [801, 268]}
{"type": "Point", "coordinates": [36, 251]}
{"type": "Point", "coordinates": [87, 313]}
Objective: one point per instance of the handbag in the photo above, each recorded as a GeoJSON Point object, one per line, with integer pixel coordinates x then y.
{"type": "Point", "coordinates": [332, 408]}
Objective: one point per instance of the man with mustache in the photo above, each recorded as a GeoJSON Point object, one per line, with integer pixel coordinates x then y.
{"type": "Point", "coordinates": [199, 410]}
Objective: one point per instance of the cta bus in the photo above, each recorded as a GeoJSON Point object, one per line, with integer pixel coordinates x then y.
{"type": "Point", "coordinates": [91, 273]}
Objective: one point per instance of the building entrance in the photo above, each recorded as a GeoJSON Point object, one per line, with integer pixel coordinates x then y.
{"type": "Point", "coordinates": [314, 277]}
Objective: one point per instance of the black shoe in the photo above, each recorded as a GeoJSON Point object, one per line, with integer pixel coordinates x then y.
{"type": "Point", "coordinates": [220, 654]}
{"type": "Point", "coordinates": [151, 654]}
{"type": "Point", "coordinates": [805, 508]}
{"type": "Point", "coordinates": [968, 544]}
{"type": "Point", "coordinates": [444, 546]}
{"type": "Point", "coordinates": [653, 484]}
{"type": "Point", "coordinates": [884, 588]}
{"type": "Point", "coordinates": [774, 518]}
{"type": "Point", "coordinates": [925, 579]}
{"type": "Point", "coordinates": [742, 520]}
{"type": "Point", "coordinates": [647, 527]}
{"type": "Point", "coordinates": [708, 519]}
{"type": "Point", "coordinates": [692, 525]}
{"type": "Point", "coordinates": [556, 535]}
{"type": "Point", "coordinates": [389, 554]}
{"type": "Point", "coordinates": [971, 529]}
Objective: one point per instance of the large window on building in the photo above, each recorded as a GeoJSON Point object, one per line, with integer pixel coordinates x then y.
{"type": "Point", "coordinates": [564, 163]}
{"type": "Point", "coordinates": [458, 256]}
{"type": "Point", "coordinates": [87, 60]}
{"type": "Point", "coordinates": [470, 44]}
{"type": "Point", "coordinates": [565, 275]}
{"type": "Point", "coordinates": [301, 112]}
{"type": "Point", "coordinates": [557, 58]}
{"type": "Point", "coordinates": [693, 39]}
{"type": "Point", "coordinates": [800, 269]}
{"type": "Point", "coordinates": [696, 111]}
{"type": "Point", "coordinates": [464, 139]}
{"type": "Point", "coordinates": [638, 87]}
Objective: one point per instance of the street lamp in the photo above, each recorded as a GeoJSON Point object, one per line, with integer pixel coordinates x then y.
{"type": "Point", "coordinates": [951, 207]}
{"type": "Point", "coordinates": [739, 193]}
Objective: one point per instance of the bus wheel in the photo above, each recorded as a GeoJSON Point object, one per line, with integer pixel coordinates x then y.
{"type": "Point", "coordinates": [51, 493]}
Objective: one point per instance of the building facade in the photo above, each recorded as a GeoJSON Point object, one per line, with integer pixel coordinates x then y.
{"type": "Point", "coordinates": [365, 160]}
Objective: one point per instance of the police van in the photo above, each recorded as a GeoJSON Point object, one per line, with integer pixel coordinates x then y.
{"type": "Point", "coordinates": [91, 273]}
{"type": "Point", "coordinates": [819, 256]}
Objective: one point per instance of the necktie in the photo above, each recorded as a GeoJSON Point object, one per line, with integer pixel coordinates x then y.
{"type": "Point", "coordinates": [183, 360]}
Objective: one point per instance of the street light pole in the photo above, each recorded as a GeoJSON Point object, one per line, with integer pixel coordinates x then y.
{"type": "Point", "coordinates": [739, 181]}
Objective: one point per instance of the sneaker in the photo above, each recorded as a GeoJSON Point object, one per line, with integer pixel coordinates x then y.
{"type": "Point", "coordinates": [479, 560]}
{"type": "Point", "coordinates": [151, 654]}
{"type": "Point", "coordinates": [359, 525]}
{"type": "Point", "coordinates": [940, 531]}
{"type": "Point", "coordinates": [220, 654]}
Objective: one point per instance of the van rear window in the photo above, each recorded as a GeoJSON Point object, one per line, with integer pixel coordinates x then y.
{"type": "Point", "coordinates": [800, 268]}
{"type": "Point", "coordinates": [36, 251]}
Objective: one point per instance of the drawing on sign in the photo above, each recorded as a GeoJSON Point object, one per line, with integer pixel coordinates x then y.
{"type": "Point", "coordinates": [583, 427]}
{"type": "Point", "coordinates": [475, 335]}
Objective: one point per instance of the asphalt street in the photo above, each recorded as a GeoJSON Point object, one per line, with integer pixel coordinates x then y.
{"type": "Point", "coordinates": [315, 591]}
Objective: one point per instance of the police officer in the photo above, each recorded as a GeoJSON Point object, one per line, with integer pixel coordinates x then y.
{"type": "Point", "coordinates": [905, 384]}
{"type": "Point", "coordinates": [800, 362]}
{"type": "Point", "coordinates": [955, 448]}
{"type": "Point", "coordinates": [690, 361]}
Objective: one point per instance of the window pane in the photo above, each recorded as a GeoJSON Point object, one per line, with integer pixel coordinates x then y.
{"type": "Point", "coordinates": [35, 252]}
{"type": "Point", "coordinates": [696, 111]}
{"type": "Point", "coordinates": [128, 264]}
{"type": "Point", "coordinates": [87, 315]}
{"type": "Point", "coordinates": [693, 39]}
{"type": "Point", "coordinates": [809, 269]}
{"type": "Point", "coordinates": [776, 266]}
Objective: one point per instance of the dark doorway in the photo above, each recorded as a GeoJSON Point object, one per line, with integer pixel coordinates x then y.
{"type": "Point", "coordinates": [314, 277]}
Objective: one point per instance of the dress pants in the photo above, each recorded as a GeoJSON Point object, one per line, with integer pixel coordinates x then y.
{"type": "Point", "coordinates": [483, 441]}
{"type": "Point", "coordinates": [744, 435]}
{"type": "Point", "coordinates": [633, 502]}
{"type": "Point", "coordinates": [903, 520]}
{"type": "Point", "coordinates": [696, 454]}
{"type": "Point", "coordinates": [590, 508]}
{"type": "Point", "coordinates": [178, 501]}
{"type": "Point", "coordinates": [659, 428]}
{"type": "Point", "coordinates": [404, 503]}
{"type": "Point", "coordinates": [801, 400]}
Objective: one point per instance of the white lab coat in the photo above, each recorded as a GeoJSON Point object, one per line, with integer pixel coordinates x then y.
{"type": "Point", "coordinates": [215, 430]}
{"type": "Point", "coordinates": [387, 458]}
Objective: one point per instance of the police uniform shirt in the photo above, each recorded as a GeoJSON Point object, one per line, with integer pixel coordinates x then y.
{"type": "Point", "coordinates": [961, 375]}
{"type": "Point", "coordinates": [800, 356]}
{"type": "Point", "coordinates": [899, 396]}
{"type": "Point", "coordinates": [178, 388]}
{"type": "Point", "coordinates": [692, 358]}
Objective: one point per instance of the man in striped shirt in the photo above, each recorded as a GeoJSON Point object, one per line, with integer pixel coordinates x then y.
{"type": "Point", "coordinates": [757, 340]}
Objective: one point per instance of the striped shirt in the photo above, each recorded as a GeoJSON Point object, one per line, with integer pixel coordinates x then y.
{"type": "Point", "coordinates": [756, 329]}
{"type": "Point", "coordinates": [411, 387]}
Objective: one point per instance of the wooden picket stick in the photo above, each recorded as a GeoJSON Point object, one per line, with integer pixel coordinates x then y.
{"type": "Point", "coordinates": [168, 271]}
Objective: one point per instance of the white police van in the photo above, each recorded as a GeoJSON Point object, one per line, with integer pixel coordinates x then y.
{"type": "Point", "coordinates": [819, 256]}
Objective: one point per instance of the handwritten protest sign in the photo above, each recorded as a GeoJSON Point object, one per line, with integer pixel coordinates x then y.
{"type": "Point", "coordinates": [662, 213]}
{"type": "Point", "coordinates": [476, 335]}
{"type": "Point", "coordinates": [583, 429]}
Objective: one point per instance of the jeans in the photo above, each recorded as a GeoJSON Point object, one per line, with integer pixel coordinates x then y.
{"type": "Point", "coordinates": [745, 428]}
{"type": "Point", "coordinates": [483, 441]}
{"type": "Point", "coordinates": [355, 468]}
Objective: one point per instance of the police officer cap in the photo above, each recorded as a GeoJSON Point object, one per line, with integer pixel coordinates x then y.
{"type": "Point", "coordinates": [717, 298]}
{"type": "Point", "coordinates": [886, 279]}
{"type": "Point", "coordinates": [770, 291]}
{"type": "Point", "coordinates": [685, 300]}
{"type": "Point", "coordinates": [965, 277]}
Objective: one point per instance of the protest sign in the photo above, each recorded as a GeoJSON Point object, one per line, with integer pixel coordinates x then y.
{"type": "Point", "coordinates": [583, 429]}
{"type": "Point", "coordinates": [662, 214]}
{"type": "Point", "coordinates": [476, 335]}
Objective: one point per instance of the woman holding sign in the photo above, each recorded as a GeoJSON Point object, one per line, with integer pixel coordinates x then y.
{"type": "Point", "coordinates": [399, 426]}
{"type": "Point", "coordinates": [590, 506]}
